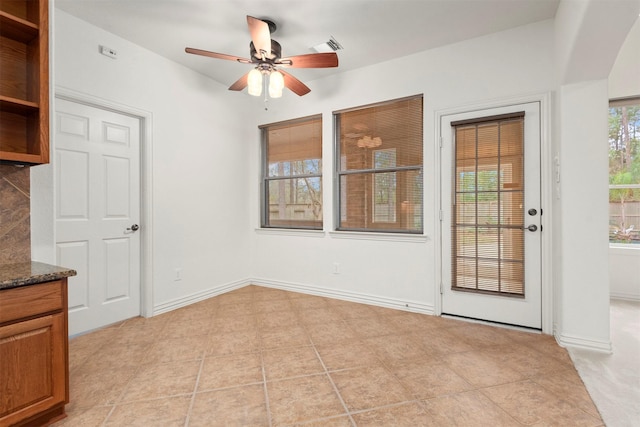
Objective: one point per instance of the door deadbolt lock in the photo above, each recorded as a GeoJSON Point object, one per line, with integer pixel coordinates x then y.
{"type": "Point", "coordinates": [134, 227]}
{"type": "Point", "coordinates": [532, 212]}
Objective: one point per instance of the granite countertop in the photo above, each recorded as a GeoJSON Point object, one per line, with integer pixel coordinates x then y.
{"type": "Point", "coordinates": [30, 273]}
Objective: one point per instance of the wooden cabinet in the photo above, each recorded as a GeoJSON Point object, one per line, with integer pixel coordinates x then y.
{"type": "Point", "coordinates": [34, 369]}
{"type": "Point", "coordinates": [24, 81]}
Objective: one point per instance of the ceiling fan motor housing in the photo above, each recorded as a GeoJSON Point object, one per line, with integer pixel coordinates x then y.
{"type": "Point", "coordinates": [276, 52]}
{"type": "Point", "coordinates": [272, 25]}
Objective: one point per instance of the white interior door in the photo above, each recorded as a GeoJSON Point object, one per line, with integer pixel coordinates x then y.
{"type": "Point", "coordinates": [491, 215]}
{"type": "Point", "coordinates": [97, 187]}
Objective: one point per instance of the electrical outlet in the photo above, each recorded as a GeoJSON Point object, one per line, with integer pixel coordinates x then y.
{"type": "Point", "coordinates": [177, 274]}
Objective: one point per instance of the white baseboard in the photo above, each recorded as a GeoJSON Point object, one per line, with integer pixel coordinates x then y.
{"type": "Point", "coordinates": [199, 296]}
{"type": "Point", "coordinates": [375, 300]}
{"type": "Point", "coordinates": [624, 296]}
{"type": "Point", "coordinates": [369, 299]}
{"type": "Point", "coordinates": [565, 340]}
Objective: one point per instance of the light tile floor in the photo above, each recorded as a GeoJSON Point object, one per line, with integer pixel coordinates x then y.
{"type": "Point", "coordinates": [264, 357]}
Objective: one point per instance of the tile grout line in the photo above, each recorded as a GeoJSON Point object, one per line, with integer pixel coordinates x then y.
{"type": "Point", "coordinates": [360, 411]}
{"type": "Point", "coordinates": [195, 389]}
{"type": "Point", "coordinates": [264, 386]}
{"type": "Point", "coordinates": [561, 397]}
{"type": "Point", "coordinates": [17, 188]}
{"type": "Point", "coordinates": [387, 406]}
{"type": "Point", "coordinates": [335, 388]}
{"type": "Point", "coordinates": [497, 405]}
{"type": "Point", "coordinates": [122, 393]}
{"type": "Point", "coordinates": [104, 422]}
{"type": "Point", "coordinates": [262, 365]}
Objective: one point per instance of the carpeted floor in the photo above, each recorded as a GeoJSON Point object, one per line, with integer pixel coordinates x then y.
{"type": "Point", "coordinates": [613, 380]}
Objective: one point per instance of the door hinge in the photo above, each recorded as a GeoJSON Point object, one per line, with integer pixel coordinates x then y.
{"type": "Point", "coordinates": [440, 214]}
{"type": "Point", "coordinates": [440, 142]}
{"type": "Point", "coordinates": [441, 289]}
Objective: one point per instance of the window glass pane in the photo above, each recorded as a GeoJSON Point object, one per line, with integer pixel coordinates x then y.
{"type": "Point", "coordinates": [384, 197]}
{"type": "Point", "coordinates": [390, 201]}
{"type": "Point", "coordinates": [295, 200]}
{"type": "Point", "coordinates": [624, 171]}
{"type": "Point", "coordinates": [380, 169]}
{"type": "Point", "coordinates": [292, 189]}
{"type": "Point", "coordinates": [295, 168]}
{"type": "Point", "coordinates": [488, 210]}
{"type": "Point", "coordinates": [384, 186]}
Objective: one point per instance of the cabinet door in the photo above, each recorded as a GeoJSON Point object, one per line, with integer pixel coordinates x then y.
{"type": "Point", "coordinates": [32, 372]}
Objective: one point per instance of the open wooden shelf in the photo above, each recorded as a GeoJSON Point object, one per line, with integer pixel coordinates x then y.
{"type": "Point", "coordinates": [18, 106]}
{"type": "Point", "coordinates": [24, 81]}
{"type": "Point", "coordinates": [17, 28]}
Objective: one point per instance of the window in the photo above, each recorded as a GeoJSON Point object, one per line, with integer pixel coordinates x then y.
{"type": "Point", "coordinates": [292, 174]}
{"type": "Point", "coordinates": [624, 171]}
{"type": "Point", "coordinates": [379, 167]}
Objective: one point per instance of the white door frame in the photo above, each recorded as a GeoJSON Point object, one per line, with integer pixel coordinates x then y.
{"type": "Point", "coordinates": [546, 192]}
{"type": "Point", "coordinates": [146, 184]}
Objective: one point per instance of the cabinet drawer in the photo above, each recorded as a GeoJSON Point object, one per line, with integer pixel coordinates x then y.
{"type": "Point", "coordinates": [27, 301]}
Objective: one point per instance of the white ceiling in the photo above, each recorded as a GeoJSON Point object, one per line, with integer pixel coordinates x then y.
{"type": "Point", "coordinates": [371, 31]}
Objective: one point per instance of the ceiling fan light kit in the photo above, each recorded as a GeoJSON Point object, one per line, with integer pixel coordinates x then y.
{"type": "Point", "coordinates": [266, 55]}
{"type": "Point", "coordinates": [254, 82]}
{"type": "Point", "coordinates": [276, 84]}
{"type": "Point", "coordinates": [369, 142]}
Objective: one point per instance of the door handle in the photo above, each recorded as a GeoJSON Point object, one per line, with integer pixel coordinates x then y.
{"type": "Point", "coordinates": [134, 227]}
{"type": "Point", "coordinates": [532, 227]}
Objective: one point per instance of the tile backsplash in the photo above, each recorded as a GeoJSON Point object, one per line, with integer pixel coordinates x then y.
{"type": "Point", "coordinates": [15, 211]}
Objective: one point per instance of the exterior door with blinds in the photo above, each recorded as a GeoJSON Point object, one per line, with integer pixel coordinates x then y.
{"type": "Point", "coordinates": [491, 215]}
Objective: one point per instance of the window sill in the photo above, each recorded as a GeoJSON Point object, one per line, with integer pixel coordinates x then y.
{"type": "Point", "coordinates": [617, 247]}
{"type": "Point", "coordinates": [290, 232]}
{"type": "Point", "coordinates": [391, 237]}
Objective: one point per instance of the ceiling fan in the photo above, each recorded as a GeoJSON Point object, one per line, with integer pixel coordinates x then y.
{"type": "Point", "coordinates": [265, 54]}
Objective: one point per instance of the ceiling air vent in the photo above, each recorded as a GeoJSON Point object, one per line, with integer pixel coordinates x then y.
{"type": "Point", "coordinates": [331, 45]}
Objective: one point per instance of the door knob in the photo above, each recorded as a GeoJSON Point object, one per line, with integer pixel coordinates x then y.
{"type": "Point", "coordinates": [532, 227]}
{"type": "Point", "coordinates": [134, 227]}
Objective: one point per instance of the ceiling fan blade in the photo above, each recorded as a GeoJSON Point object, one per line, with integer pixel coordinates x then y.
{"type": "Point", "coordinates": [216, 55]}
{"type": "Point", "coordinates": [241, 83]}
{"type": "Point", "coordinates": [311, 60]}
{"type": "Point", "coordinates": [295, 85]}
{"type": "Point", "coordinates": [260, 35]}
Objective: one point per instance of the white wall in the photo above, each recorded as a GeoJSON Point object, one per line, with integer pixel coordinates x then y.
{"type": "Point", "coordinates": [583, 318]}
{"type": "Point", "coordinates": [200, 219]}
{"type": "Point", "coordinates": [624, 272]}
{"type": "Point", "coordinates": [589, 35]}
{"type": "Point", "coordinates": [389, 272]}
{"type": "Point", "coordinates": [624, 78]}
